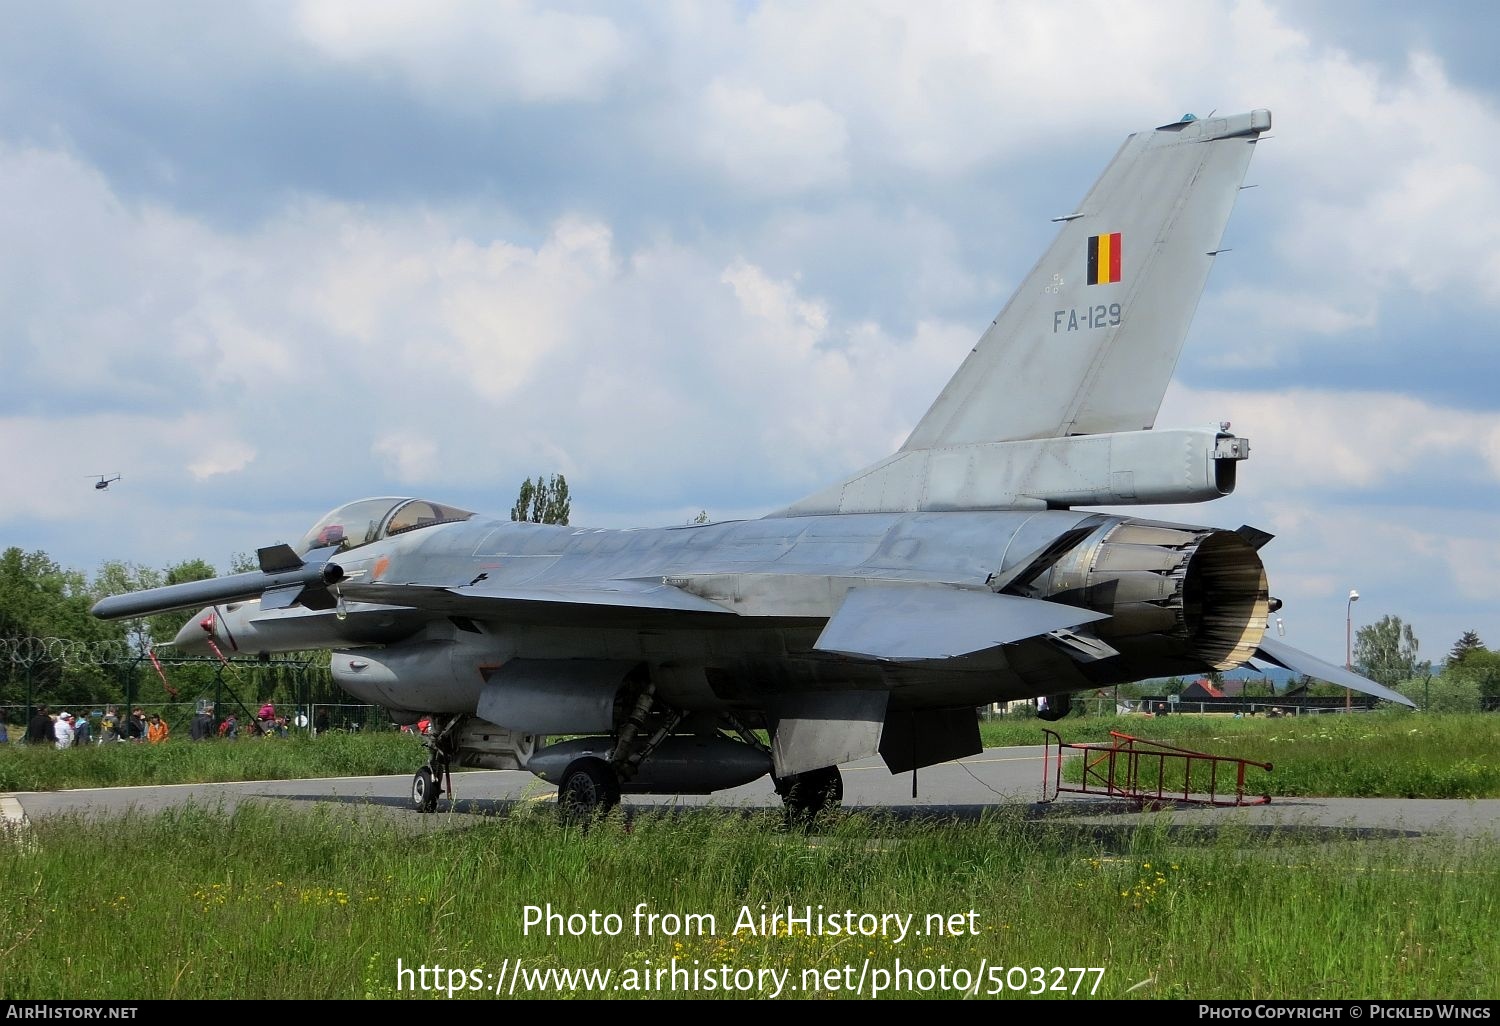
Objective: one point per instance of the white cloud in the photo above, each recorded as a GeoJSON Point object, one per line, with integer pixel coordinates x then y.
{"type": "Point", "coordinates": [412, 456]}
{"type": "Point", "coordinates": [365, 343]}
{"type": "Point", "coordinates": [221, 457]}
{"type": "Point", "coordinates": [1347, 441]}
{"type": "Point", "coordinates": [467, 53]}
{"type": "Point", "coordinates": [769, 147]}
{"type": "Point", "coordinates": [49, 459]}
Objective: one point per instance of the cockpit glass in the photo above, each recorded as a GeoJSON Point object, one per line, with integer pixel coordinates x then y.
{"type": "Point", "coordinates": [422, 513]}
{"type": "Point", "coordinates": [365, 521]}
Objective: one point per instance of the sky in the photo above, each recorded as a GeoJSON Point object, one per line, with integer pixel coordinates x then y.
{"type": "Point", "coordinates": [261, 259]}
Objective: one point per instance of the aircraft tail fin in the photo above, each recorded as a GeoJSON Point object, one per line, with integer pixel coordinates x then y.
{"type": "Point", "coordinates": [1085, 347]}
{"type": "Point", "coordinates": [1089, 340]}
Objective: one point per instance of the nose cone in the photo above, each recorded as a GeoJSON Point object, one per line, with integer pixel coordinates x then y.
{"type": "Point", "coordinates": [196, 634]}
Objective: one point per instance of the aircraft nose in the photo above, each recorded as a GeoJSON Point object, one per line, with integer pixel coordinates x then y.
{"type": "Point", "coordinates": [196, 634]}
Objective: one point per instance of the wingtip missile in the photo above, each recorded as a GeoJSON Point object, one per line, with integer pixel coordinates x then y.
{"type": "Point", "coordinates": [312, 576]}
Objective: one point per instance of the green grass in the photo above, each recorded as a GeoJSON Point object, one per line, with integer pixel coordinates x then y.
{"type": "Point", "coordinates": [280, 903]}
{"type": "Point", "coordinates": [336, 753]}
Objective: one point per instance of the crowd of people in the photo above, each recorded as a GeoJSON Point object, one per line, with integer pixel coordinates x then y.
{"type": "Point", "coordinates": [65, 730]}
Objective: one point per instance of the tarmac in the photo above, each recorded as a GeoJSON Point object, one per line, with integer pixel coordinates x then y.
{"type": "Point", "coordinates": [1009, 779]}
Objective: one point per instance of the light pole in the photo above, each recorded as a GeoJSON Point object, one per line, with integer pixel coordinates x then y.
{"type": "Point", "coordinates": [1349, 644]}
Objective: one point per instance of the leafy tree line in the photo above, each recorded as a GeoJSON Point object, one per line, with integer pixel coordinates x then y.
{"type": "Point", "coordinates": [1387, 653]}
{"type": "Point", "coordinates": [41, 599]}
{"type": "Point", "coordinates": [108, 660]}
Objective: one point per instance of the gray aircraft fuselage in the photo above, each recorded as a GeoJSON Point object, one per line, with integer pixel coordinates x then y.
{"type": "Point", "coordinates": [775, 582]}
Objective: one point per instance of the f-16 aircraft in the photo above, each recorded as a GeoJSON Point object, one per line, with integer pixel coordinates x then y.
{"type": "Point", "coordinates": [873, 616]}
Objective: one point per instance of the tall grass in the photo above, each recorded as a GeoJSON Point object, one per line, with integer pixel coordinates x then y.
{"type": "Point", "coordinates": [335, 753]}
{"type": "Point", "coordinates": [275, 902]}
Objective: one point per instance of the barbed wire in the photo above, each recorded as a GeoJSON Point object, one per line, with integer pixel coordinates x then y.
{"type": "Point", "coordinates": [36, 651]}
{"type": "Point", "coordinates": [33, 651]}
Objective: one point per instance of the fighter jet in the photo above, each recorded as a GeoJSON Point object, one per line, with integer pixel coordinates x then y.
{"type": "Point", "coordinates": [873, 616]}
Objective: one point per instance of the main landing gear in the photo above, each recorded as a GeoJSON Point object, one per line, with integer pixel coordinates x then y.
{"type": "Point", "coordinates": [590, 786]}
{"type": "Point", "coordinates": [807, 794]}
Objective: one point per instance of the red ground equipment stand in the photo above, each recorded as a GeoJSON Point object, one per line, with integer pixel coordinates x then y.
{"type": "Point", "coordinates": [1138, 769]}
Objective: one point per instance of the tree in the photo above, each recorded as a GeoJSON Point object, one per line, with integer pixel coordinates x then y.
{"type": "Point", "coordinates": [1314, 688]}
{"type": "Point", "coordinates": [243, 562]}
{"type": "Point", "coordinates": [39, 599]}
{"type": "Point", "coordinates": [1386, 652]}
{"type": "Point", "coordinates": [1479, 671]}
{"type": "Point", "coordinates": [701, 518]}
{"type": "Point", "coordinates": [1257, 687]}
{"type": "Point", "coordinates": [543, 502]}
{"type": "Point", "coordinates": [1449, 692]}
{"type": "Point", "coordinates": [1463, 646]}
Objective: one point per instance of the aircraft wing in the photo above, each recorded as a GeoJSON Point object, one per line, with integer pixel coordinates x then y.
{"type": "Point", "coordinates": [914, 622]}
{"type": "Point", "coordinates": [1296, 660]}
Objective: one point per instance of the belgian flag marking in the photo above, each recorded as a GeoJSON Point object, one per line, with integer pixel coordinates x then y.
{"type": "Point", "coordinates": [1104, 259]}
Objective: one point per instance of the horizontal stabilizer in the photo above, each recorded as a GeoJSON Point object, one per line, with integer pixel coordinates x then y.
{"type": "Point", "coordinates": [1300, 662]}
{"type": "Point", "coordinates": [909, 623]}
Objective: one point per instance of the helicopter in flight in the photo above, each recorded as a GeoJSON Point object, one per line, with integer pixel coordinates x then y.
{"type": "Point", "coordinates": [104, 482]}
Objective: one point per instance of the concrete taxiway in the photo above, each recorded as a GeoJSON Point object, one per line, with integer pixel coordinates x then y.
{"type": "Point", "coordinates": [1009, 778]}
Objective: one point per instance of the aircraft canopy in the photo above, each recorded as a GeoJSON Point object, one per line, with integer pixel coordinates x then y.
{"type": "Point", "coordinates": [367, 520]}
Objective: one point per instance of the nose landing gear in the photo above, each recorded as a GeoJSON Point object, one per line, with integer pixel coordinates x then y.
{"type": "Point", "coordinates": [432, 780]}
{"type": "Point", "coordinates": [425, 790]}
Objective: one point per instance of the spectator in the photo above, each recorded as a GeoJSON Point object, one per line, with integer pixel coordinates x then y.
{"type": "Point", "coordinates": [320, 724]}
{"type": "Point", "coordinates": [62, 731]}
{"type": "Point", "coordinates": [135, 727]}
{"type": "Point", "coordinates": [156, 729]}
{"type": "Point", "coordinates": [4, 733]}
{"type": "Point", "coordinates": [230, 728]}
{"type": "Point", "coordinates": [266, 718]}
{"type": "Point", "coordinates": [83, 732]}
{"type": "Point", "coordinates": [109, 725]}
{"type": "Point", "coordinates": [202, 727]}
{"type": "Point", "coordinates": [39, 730]}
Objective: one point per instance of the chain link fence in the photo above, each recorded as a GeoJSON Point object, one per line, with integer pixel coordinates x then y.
{"type": "Point", "coordinates": [87, 677]}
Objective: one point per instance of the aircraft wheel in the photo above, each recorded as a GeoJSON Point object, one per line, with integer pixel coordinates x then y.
{"type": "Point", "coordinates": [589, 787]}
{"type": "Point", "coordinates": [424, 790]}
{"type": "Point", "coordinates": [807, 794]}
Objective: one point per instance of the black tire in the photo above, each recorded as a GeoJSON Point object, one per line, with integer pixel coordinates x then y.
{"type": "Point", "coordinates": [589, 787]}
{"type": "Point", "coordinates": [424, 790]}
{"type": "Point", "coordinates": [807, 794]}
